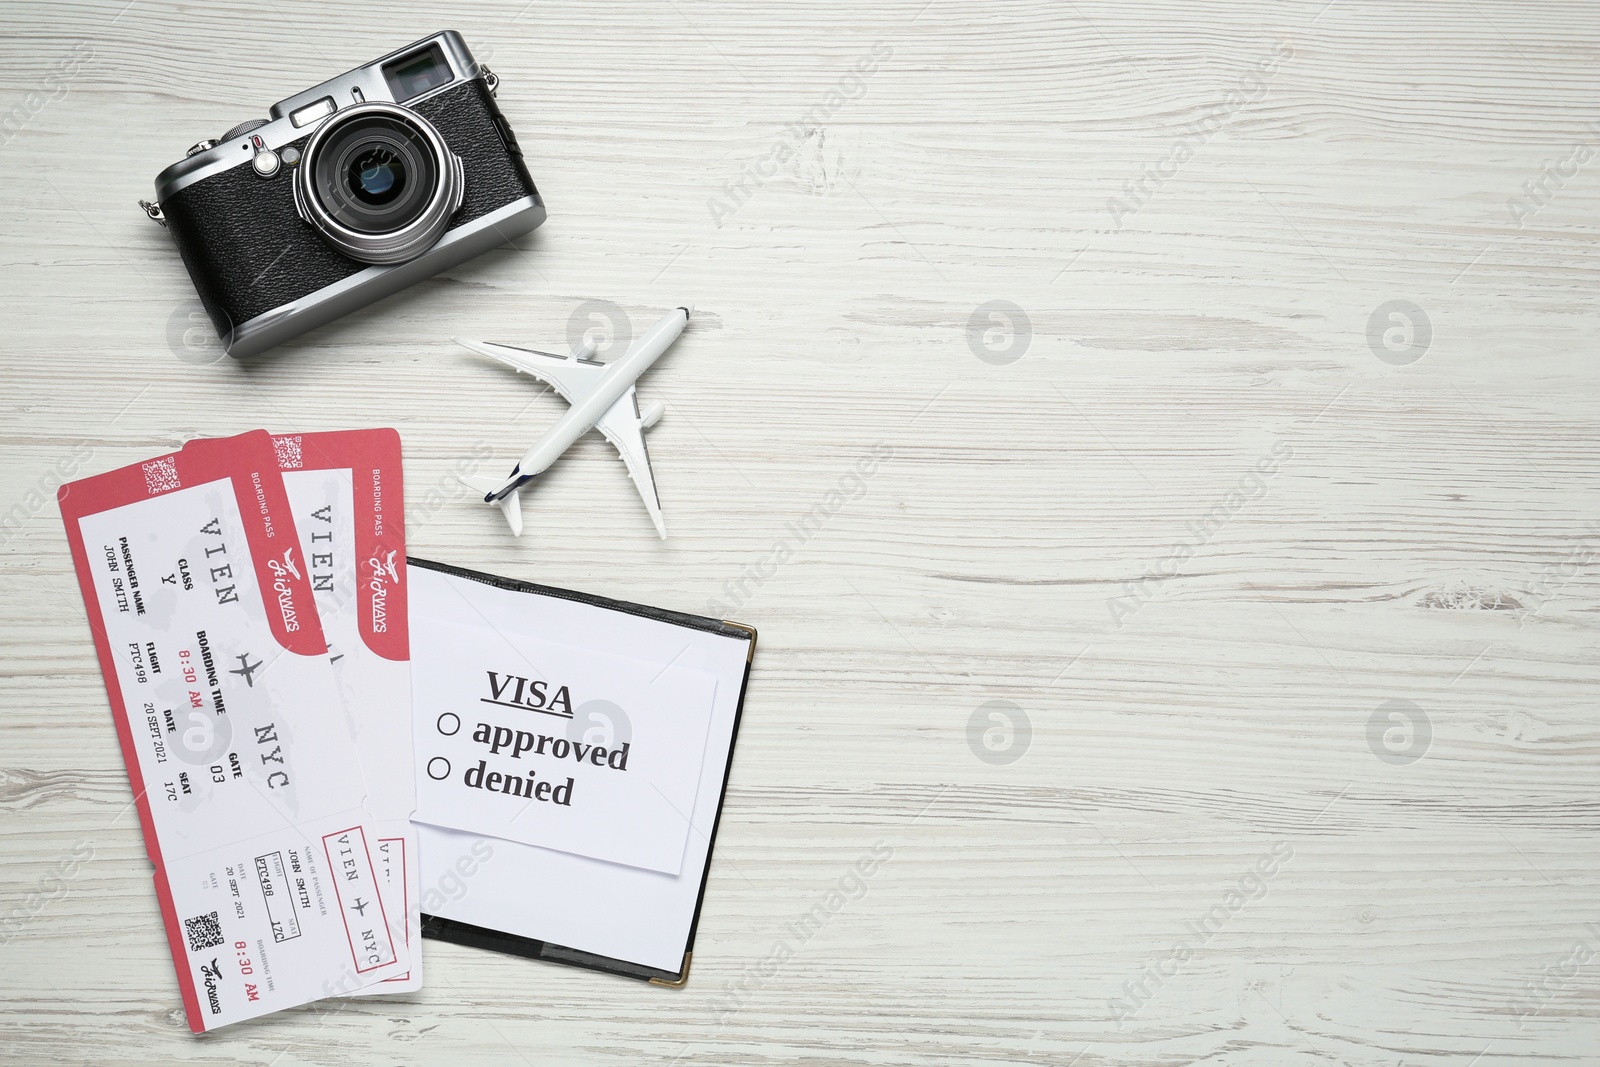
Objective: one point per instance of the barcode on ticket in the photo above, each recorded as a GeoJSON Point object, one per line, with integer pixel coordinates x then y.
{"type": "Point", "coordinates": [203, 931]}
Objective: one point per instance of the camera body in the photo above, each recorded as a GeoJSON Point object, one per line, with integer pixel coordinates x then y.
{"type": "Point", "coordinates": [350, 191]}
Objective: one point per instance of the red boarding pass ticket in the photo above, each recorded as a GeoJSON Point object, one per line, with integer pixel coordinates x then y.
{"type": "Point", "coordinates": [245, 774]}
{"type": "Point", "coordinates": [345, 492]}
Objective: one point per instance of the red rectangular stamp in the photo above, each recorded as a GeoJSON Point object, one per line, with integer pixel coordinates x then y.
{"type": "Point", "coordinates": [360, 905]}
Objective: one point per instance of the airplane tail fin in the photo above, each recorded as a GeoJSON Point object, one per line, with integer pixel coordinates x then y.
{"type": "Point", "coordinates": [510, 505]}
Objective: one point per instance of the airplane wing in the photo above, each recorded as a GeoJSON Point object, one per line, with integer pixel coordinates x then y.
{"type": "Point", "coordinates": [572, 377]}
{"type": "Point", "coordinates": [622, 426]}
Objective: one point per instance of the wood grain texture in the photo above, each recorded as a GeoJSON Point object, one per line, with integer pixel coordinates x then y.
{"type": "Point", "coordinates": [1425, 536]}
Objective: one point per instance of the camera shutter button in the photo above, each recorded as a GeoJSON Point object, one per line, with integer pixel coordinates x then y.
{"type": "Point", "coordinates": [265, 161]}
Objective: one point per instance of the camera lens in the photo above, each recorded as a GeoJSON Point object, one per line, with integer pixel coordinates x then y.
{"type": "Point", "coordinates": [375, 174]}
{"type": "Point", "coordinates": [379, 183]}
{"type": "Point", "coordinates": [377, 177]}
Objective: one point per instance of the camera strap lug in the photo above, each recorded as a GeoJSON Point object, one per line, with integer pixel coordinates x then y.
{"type": "Point", "coordinates": [492, 80]}
{"type": "Point", "coordinates": [154, 211]}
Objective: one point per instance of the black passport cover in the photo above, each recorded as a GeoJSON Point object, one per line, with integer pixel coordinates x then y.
{"type": "Point", "coordinates": [460, 933]}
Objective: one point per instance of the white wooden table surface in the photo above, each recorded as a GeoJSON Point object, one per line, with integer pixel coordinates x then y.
{"type": "Point", "coordinates": [1254, 529]}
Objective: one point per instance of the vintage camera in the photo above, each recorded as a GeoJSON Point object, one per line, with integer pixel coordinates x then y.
{"type": "Point", "coordinates": [350, 191]}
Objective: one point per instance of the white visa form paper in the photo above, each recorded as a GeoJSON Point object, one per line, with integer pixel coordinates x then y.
{"type": "Point", "coordinates": [347, 497]}
{"type": "Point", "coordinates": [503, 750]}
{"type": "Point", "coordinates": [246, 779]}
{"type": "Point", "coordinates": [483, 889]}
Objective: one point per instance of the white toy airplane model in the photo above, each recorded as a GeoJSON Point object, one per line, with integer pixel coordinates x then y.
{"type": "Point", "coordinates": [602, 398]}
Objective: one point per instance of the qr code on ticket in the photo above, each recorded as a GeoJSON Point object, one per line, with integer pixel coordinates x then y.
{"type": "Point", "coordinates": [289, 452]}
{"type": "Point", "coordinates": [161, 475]}
{"type": "Point", "coordinates": [203, 931]}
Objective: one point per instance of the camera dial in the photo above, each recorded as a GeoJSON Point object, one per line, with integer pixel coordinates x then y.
{"type": "Point", "coordinates": [378, 182]}
{"type": "Point", "coordinates": [243, 128]}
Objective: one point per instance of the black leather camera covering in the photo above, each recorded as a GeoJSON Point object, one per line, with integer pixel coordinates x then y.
{"type": "Point", "coordinates": [248, 251]}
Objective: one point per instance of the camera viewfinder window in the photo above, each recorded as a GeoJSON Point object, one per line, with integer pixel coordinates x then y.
{"type": "Point", "coordinates": [417, 73]}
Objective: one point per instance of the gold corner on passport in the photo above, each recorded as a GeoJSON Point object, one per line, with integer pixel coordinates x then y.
{"type": "Point", "coordinates": [683, 974]}
{"type": "Point", "coordinates": [750, 653]}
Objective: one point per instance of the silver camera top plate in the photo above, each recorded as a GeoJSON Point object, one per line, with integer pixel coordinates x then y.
{"type": "Point", "coordinates": [365, 84]}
